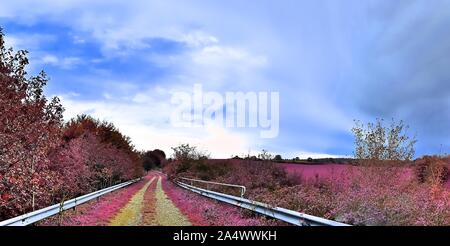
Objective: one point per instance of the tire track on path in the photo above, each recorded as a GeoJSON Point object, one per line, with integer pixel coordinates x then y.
{"type": "Point", "coordinates": [149, 203]}
{"type": "Point", "coordinates": [131, 214]}
{"type": "Point", "coordinates": [150, 206]}
{"type": "Point", "coordinates": [167, 214]}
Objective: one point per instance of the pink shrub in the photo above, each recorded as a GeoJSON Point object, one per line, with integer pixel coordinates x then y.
{"type": "Point", "coordinates": [361, 195]}
{"type": "Point", "coordinates": [84, 164]}
{"type": "Point", "coordinates": [203, 211]}
{"type": "Point", "coordinates": [369, 196]}
{"type": "Point", "coordinates": [252, 174]}
{"type": "Point", "coordinates": [321, 171]}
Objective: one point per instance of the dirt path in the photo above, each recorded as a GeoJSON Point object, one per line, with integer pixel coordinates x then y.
{"type": "Point", "coordinates": [167, 214]}
{"type": "Point", "coordinates": [150, 206]}
{"type": "Point", "coordinates": [131, 214]}
{"type": "Point", "coordinates": [148, 211]}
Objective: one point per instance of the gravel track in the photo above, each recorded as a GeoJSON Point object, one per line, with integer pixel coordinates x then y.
{"type": "Point", "coordinates": [148, 210]}
{"type": "Point", "coordinates": [150, 206]}
{"type": "Point", "coordinates": [167, 214]}
{"type": "Point", "coordinates": [131, 214]}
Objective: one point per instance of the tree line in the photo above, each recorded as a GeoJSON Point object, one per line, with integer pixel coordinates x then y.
{"type": "Point", "coordinates": [44, 160]}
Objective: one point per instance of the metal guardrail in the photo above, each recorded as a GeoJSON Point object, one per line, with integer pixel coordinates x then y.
{"type": "Point", "coordinates": [241, 187]}
{"type": "Point", "coordinates": [33, 217]}
{"type": "Point", "coordinates": [283, 214]}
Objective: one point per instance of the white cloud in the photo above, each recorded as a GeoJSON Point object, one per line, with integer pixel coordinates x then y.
{"type": "Point", "coordinates": [27, 41]}
{"type": "Point", "coordinates": [64, 63]}
{"type": "Point", "coordinates": [224, 53]}
{"type": "Point", "coordinates": [70, 62]}
{"type": "Point", "coordinates": [217, 66]}
{"type": "Point", "coordinates": [107, 96]}
{"type": "Point", "coordinates": [50, 59]}
{"type": "Point", "coordinates": [78, 40]}
{"type": "Point", "coordinates": [219, 56]}
{"type": "Point", "coordinates": [199, 39]}
{"type": "Point", "coordinates": [147, 124]}
{"type": "Point", "coordinates": [11, 41]}
{"type": "Point", "coordinates": [144, 115]}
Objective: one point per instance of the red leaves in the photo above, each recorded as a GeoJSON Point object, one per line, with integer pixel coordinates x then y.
{"type": "Point", "coordinates": [36, 167]}
{"type": "Point", "coordinates": [379, 195]}
{"type": "Point", "coordinates": [12, 180]}
{"type": "Point", "coordinates": [85, 163]}
{"type": "Point", "coordinates": [6, 196]}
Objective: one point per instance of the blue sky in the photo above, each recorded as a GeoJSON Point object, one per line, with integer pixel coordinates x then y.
{"type": "Point", "coordinates": [331, 61]}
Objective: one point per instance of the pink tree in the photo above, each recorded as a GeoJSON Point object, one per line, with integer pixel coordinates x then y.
{"type": "Point", "coordinates": [29, 131]}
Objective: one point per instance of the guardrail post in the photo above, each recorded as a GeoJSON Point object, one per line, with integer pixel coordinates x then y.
{"type": "Point", "coordinates": [61, 213]}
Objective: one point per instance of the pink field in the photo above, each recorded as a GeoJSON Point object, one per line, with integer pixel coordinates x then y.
{"type": "Point", "coordinates": [337, 172]}
{"type": "Point", "coordinates": [334, 172]}
{"type": "Point", "coordinates": [340, 173]}
{"type": "Point", "coordinates": [321, 171]}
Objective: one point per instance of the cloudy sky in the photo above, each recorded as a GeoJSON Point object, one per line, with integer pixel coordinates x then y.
{"type": "Point", "coordinates": [331, 61]}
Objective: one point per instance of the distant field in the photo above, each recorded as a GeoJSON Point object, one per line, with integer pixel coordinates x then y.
{"type": "Point", "coordinates": [332, 171]}
{"type": "Point", "coordinates": [320, 171]}
{"type": "Point", "coordinates": [315, 170]}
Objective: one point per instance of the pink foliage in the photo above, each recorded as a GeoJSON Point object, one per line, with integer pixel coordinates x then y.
{"type": "Point", "coordinates": [29, 130]}
{"type": "Point", "coordinates": [70, 162]}
{"type": "Point", "coordinates": [317, 171]}
{"type": "Point", "coordinates": [85, 164]}
{"type": "Point", "coordinates": [340, 172]}
{"type": "Point", "coordinates": [385, 194]}
{"type": "Point", "coordinates": [203, 211]}
{"type": "Point", "coordinates": [101, 212]}
{"type": "Point", "coordinates": [368, 196]}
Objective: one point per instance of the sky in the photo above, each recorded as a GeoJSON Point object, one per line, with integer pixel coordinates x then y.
{"type": "Point", "coordinates": [331, 61]}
